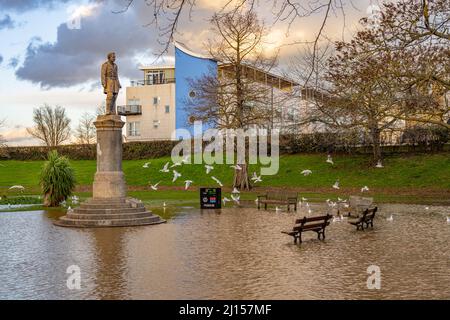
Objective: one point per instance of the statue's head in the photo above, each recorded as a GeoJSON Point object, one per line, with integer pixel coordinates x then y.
{"type": "Point", "coordinates": [112, 56]}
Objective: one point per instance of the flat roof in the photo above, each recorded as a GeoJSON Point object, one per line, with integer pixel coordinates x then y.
{"type": "Point", "coordinates": [161, 66]}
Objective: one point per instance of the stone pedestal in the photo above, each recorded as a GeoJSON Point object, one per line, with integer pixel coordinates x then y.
{"type": "Point", "coordinates": [109, 181]}
{"type": "Point", "coordinates": [109, 206]}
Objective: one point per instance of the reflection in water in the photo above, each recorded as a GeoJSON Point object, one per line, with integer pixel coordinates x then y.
{"type": "Point", "coordinates": [237, 254]}
{"type": "Point", "coordinates": [110, 271]}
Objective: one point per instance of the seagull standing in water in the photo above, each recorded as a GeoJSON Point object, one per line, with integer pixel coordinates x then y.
{"type": "Point", "coordinates": [391, 218]}
{"type": "Point", "coordinates": [448, 219]}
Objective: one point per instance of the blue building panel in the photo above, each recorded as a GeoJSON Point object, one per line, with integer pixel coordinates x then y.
{"type": "Point", "coordinates": [188, 66]}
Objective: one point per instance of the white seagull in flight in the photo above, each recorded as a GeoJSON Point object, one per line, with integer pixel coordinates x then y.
{"type": "Point", "coordinates": [176, 175]}
{"type": "Point", "coordinates": [208, 168]}
{"type": "Point", "coordinates": [217, 180]}
{"type": "Point", "coordinates": [165, 168]}
{"type": "Point", "coordinates": [154, 186]}
{"type": "Point", "coordinates": [187, 184]}
{"type": "Point", "coordinates": [329, 159]}
{"type": "Point", "coordinates": [365, 188]}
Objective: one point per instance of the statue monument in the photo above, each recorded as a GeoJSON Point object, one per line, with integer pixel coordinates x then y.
{"type": "Point", "coordinates": [110, 82]}
{"type": "Point", "coordinates": [109, 205]}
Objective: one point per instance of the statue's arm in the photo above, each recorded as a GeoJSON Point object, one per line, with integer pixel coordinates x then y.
{"type": "Point", "coordinates": [103, 75]}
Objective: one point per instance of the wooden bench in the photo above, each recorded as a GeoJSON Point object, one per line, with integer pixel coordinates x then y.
{"type": "Point", "coordinates": [280, 197]}
{"type": "Point", "coordinates": [356, 205]}
{"type": "Point", "coordinates": [365, 219]}
{"type": "Point", "coordinates": [316, 224]}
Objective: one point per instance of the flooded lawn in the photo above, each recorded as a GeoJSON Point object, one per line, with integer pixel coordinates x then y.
{"type": "Point", "coordinates": [230, 254]}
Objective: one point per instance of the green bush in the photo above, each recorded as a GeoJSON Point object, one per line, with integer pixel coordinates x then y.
{"type": "Point", "coordinates": [57, 179]}
{"type": "Point", "coordinates": [20, 200]}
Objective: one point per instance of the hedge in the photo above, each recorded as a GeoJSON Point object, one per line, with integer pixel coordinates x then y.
{"type": "Point", "coordinates": [289, 144]}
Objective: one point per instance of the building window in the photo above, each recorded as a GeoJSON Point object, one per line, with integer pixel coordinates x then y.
{"type": "Point", "coordinates": [155, 77]}
{"type": "Point", "coordinates": [167, 109]}
{"type": "Point", "coordinates": [133, 129]}
{"type": "Point", "coordinates": [134, 102]}
{"type": "Point", "coordinates": [155, 100]}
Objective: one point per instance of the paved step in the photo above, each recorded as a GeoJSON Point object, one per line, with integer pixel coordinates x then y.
{"type": "Point", "coordinates": [90, 216]}
{"type": "Point", "coordinates": [67, 222]}
{"type": "Point", "coordinates": [107, 211]}
{"type": "Point", "coordinates": [104, 206]}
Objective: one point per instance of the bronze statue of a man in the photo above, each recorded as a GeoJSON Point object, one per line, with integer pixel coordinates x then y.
{"type": "Point", "coordinates": [110, 83]}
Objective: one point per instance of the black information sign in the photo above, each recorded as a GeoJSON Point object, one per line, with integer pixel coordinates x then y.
{"type": "Point", "coordinates": [210, 198]}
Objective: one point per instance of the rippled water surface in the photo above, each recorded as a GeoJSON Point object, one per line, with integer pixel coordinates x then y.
{"type": "Point", "coordinates": [232, 254]}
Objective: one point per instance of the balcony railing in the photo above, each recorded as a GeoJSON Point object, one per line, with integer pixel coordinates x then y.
{"type": "Point", "coordinates": [129, 110]}
{"type": "Point", "coordinates": [136, 83]}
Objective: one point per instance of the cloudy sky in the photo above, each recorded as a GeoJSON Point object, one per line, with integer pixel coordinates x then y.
{"type": "Point", "coordinates": [51, 50]}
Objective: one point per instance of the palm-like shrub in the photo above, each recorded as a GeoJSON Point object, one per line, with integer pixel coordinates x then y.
{"type": "Point", "coordinates": [57, 179]}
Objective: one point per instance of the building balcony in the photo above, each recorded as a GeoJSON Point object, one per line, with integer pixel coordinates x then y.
{"type": "Point", "coordinates": [129, 110]}
{"type": "Point", "coordinates": [148, 82]}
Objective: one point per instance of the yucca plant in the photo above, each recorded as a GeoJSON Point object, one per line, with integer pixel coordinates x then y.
{"type": "Point", "coordinates": [57, 179]}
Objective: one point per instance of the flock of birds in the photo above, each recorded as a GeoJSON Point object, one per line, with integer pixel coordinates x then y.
{"type": "Point", "coordinates": [235, 193]}
{"type": "Point", "coordinates": [168, 167]}
{"type": "Point", "coordinates": [336, 186]}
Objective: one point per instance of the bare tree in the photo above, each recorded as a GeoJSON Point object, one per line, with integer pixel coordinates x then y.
{"type": "Point", "coordinates": [52, 125]}
{"type": "Point", "coordinates": [417, 33]}
{"type": "Point", "coordinates": [166, 14]}
{"type": "Point", "coordinates": [101, 109]}
{"type": "Point", "coordinates": [85, 132]}
{"type": "Point", "coordinates": [235, 99]}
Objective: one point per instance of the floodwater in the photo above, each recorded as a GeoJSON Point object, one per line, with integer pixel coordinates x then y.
{"type": "Point", "coordinates": [229, 254]}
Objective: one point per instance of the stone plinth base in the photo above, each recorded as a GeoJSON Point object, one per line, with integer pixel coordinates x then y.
{"type": "Point", "coordinates": [114, 212]}
{"type": "Point", "coordinates": [109, 185]}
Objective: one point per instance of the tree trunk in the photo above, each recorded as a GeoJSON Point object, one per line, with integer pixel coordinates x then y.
{"type": "Point", "coordinates": [241, 180]}
{"type": "Point", "coordinates": [47, 202]}
{"type": "Point", "coordinates": [376, 144]}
